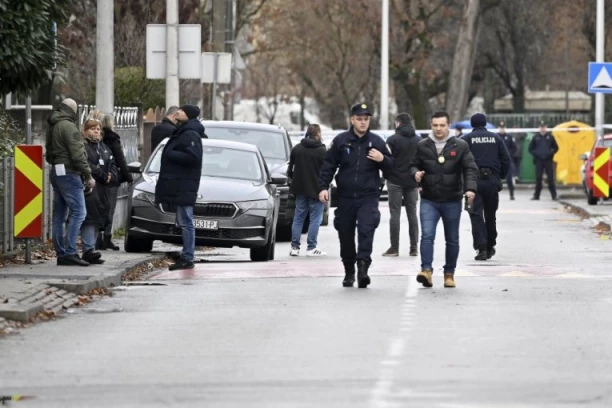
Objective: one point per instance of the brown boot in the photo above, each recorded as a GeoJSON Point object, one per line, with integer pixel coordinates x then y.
{"type": "Point", "coordinates": [424, 277]}
{"type": "Point", "coordinates": [449, 280]}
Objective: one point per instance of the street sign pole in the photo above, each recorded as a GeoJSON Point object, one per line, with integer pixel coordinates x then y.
{"type": "Point", "coordinates": [28, 110]}
{"type": "Point", "coordinates": [599, 57]}
{"type": "Point", "coordinates": [214, 88]}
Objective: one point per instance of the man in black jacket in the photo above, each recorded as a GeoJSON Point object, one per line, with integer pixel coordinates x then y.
{"type": "Point", "coordinates": [358, 155]}
{"type": "Point", "coordinates": [304, 168]}
{"type": "Point", "coordinates": [493, 163]}
{"type": "Point", "coordinates": [512, 151]}
{"type": "Point", "coordinates": [446, 169]}
{"type": "Point", "coordinates": [179, 177]}
{"type": "Point", "coordinates": [543, 148]}
{"type": "Point", "coordinates": [165, 128]}
{"type": "Point", "coordinates": [401, 186]}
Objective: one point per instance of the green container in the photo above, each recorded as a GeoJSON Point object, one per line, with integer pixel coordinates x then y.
{"type": "Point", "coordinates": [527, 173]}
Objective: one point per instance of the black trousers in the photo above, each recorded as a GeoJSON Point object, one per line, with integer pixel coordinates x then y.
{"type": "Point", "coordinates": [483, 213]}
{"type": "Point", "coordinates": [356, 213]}
{"type": "Point", "coordinates": [547, 166]}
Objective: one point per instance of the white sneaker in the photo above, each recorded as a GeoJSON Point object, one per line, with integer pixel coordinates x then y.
{"type": "Point", "coordinates": [294, 252]}
{"type": "Point", "coordinates": [315, 252]}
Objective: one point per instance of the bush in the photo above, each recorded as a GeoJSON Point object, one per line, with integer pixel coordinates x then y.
{"type": "Point", "coordinates": [10, 134]}
{"type": "Point", "coordinates": [133, 87]}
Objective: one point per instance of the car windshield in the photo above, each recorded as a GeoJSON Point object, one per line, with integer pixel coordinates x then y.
{"type": "Point", "coordinates": [607, 143]}
{"type": "Point", "coordinates": [271, 144]}
{"type": "Point", "coordinates": [222, 162]}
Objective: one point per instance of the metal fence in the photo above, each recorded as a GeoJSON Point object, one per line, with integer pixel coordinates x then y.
{"type": "Point", "coordinates": [127, 126]}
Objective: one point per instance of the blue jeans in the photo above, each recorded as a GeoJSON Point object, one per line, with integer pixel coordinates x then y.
{"type": "Point", "coordinates": [89, 235]}
{"type": "Point", "coordinates": [303, 206]}
{"type": "Point", "coordinates": [67, 195]}
{"type": "Point", "coordinates": [184, 219]}
{"type": "Point", "coordinates": [431, 212]}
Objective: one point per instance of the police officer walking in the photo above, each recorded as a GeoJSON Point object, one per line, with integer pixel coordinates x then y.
{"type": "Point", "coordinates": [543, 148]}
{"type": "Point", "coordinates": [359, 156]}
{"type": "Point", "coordinates": [493, 161]}
{"type": "Point", "coordinates": [512, 150]}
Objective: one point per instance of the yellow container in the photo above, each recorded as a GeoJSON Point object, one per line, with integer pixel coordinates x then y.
{"type": "Point", "coordinates": [572, 143]}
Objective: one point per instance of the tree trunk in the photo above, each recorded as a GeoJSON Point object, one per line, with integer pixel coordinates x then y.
{"type": "Point", "coordinates": [518, 99]}
{"type": "Point", "coordinates": [417, 101]}
{"type": "Point", "coordinates": [463, 62]}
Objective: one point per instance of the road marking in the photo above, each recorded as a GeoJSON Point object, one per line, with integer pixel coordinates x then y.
{"type": "Point", "coordinates": [517, 274]}
{"type": "Point", "coordinates": [383, 390]}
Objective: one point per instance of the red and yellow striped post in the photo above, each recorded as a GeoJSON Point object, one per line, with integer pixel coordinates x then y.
{"type": "Point", "coordinates": [601, 172]}
{"type": "Point", "coordinates": [28, 199]}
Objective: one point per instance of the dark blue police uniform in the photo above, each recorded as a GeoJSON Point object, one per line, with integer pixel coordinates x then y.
{"type": "Point", "coordinates": [543, 148]}
{"type": "Point", "coordinates": [493, 162]}
{"type": "Point", "coordinates": [512, 150]}
{"type": "Point", "coordinates": [358, 185]}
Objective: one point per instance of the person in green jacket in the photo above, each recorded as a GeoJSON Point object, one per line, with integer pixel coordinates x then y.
{"type": "Point", "coordinates": [70, 175]}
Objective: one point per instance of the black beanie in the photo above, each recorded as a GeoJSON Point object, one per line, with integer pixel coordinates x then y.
{"type": "Point", "coordinates": [192, 111]}
{"type": "Point", "coordinates": [478, 120]}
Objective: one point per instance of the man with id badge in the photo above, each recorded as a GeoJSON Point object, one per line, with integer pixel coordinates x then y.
{"type": "Point", "coordinates": [65, 152]}
{"type": "Point", "coordinates": [359, 156]}
{"type": "Point", "coordinates": [446, 171]}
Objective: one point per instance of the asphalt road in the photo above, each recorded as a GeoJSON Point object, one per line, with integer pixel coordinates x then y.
{"type": "Point", "coordinates": [529, 328]}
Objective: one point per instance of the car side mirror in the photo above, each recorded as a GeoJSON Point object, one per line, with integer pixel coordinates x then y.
{"type": "Point", "coordinates": [134, 167]}
{"type": "Point", "coordinates": [278, 179]}
{"type": "Point", "coordinates": [583, 157]}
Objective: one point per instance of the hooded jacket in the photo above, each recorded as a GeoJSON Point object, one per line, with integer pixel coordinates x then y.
{"type": "Point", "coordinates": [113, 141]}
{"type": "Point", "coordinates": [64, 144]}
{"type": "Point", "coordinates": [181, 166]}
{"type": "Point", "coordinates": [304, 167]}
{"type": "Point", "coordinates": [357, 175]}
{"type": "Point", "coordinates": [403, 146]}
{"type": "Point", "coordinates": [448, 175]}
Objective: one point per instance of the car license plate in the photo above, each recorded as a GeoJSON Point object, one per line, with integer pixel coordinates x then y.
{"type": "Point", "coordinates": [206, 224]}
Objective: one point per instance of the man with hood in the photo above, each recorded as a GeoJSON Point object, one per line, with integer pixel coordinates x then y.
{"type": "Point", "coordinates": [446, 169]}
{"type": "Point", "coordinates": [304, 167]}
{"type": "Point", "coordinates": [179, 178]}
{"type": "Point", "coordinates": [65, 152]}
{"type": "Point", "coordinates": [358, 156]}
{"type": "Point", "coordinates": [401, 187]}
{"type": "Point", "coordinates": [493, 161]}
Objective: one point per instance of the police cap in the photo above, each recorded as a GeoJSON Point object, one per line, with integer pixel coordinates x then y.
{"type": "Point", "coordinates": [360, 109]}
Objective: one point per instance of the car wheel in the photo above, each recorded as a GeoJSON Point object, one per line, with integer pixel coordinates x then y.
{"type": "Point", "coordinates": [266, 252]}
{"type": "Point", "coordinates": [590, 199]}
{"type": "Point", "coordinates": [133, 244]}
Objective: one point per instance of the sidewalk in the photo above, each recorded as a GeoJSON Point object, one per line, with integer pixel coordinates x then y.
{"type": "Point", "coordinates": [26, 290]}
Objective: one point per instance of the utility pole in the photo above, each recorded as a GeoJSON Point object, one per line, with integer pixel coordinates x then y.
{"type": "Point", "coordinates": [384, 68]}
{"type": "Point", "coordinates": [105, 63]}
{"type": "Point", "coordinates": [172, 79]}
{"type": "Point", "coordinates": [599, 57]}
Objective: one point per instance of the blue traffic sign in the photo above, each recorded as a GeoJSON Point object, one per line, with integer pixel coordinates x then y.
{"type": "Point", "coordinates": [600, 80]}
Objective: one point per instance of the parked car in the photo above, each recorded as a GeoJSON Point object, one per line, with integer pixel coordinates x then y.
{"type": "Point", "coordinates": [587, 167]}
{"type": "Point", "coordinates": [275, 145]}
{"type": "Point", "coordinates": [237, 205]}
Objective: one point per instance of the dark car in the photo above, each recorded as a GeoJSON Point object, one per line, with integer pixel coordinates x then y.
{"type": "Point", "coordinates": [275, 145]}
{"type": "Point", "coordinates": [237, 204]}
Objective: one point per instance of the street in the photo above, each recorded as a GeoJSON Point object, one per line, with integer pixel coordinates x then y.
{"type": "Point", "coordinates": [530, 327]}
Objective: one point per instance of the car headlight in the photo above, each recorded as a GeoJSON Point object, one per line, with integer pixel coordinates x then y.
{"type": "Point", "coordinates": [144, 196]}
{"type": "Point", "coordinates": [256, 204]}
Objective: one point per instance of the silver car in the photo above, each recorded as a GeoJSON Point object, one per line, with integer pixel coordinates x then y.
{"type": "Point", "coordinates": [237, 203]}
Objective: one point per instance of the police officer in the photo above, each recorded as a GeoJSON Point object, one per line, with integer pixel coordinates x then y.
{"type": "Point", "coordinates": [493, 162]}
{"type": "Point", "coordinates": [543, 148]}
{"type": "Point", "coordinates": [512, 150]}
{"type": "Point", "coordinates": [359, 156]}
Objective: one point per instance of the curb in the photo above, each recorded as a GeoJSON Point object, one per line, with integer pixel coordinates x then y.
{"type": "Point", "coordinates": [594, 219]}
{"type": "Point", "coordinates": [56, 295]}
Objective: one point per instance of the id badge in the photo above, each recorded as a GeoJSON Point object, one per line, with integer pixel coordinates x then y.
{"type": "Point", "coordinates": [101, 161]}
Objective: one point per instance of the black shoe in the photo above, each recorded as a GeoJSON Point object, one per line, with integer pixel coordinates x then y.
{"type": "Point", "coordinates": [349, 275]}
{"type": "Point", "coordinates": [363, 280]}
{"type": "Point", "coordinates": [535, 198]}
{"type": "Point", "coordinates": [109, 244]}
{"type": "Point", "coordinates": [555, 198]}
{"type": "Point", "coordinates": [481, 255]}
{"type": "Point", "coordinates": [414, 252]}
{"type": "Point", "coordinates": [490, 252]}
{"type": "Point", "coordinates": [93, 257]}
{"type": "Point", "coordinates": [512, 197]}
{"type": "Point", "coordinates": [71, 260]}
{"type": "Point", "coordinates": [181, 264]}
{"type": "Point", "coordinates": [391, 252]}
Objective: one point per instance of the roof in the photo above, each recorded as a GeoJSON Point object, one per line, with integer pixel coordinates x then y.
{"type": "Point", "coordinates": [242, 125]}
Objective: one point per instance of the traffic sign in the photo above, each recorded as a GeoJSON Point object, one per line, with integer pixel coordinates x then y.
{"type": "Point", "coordinates": [600, 77]}
{"type": "Point", "coordinates": [189, 48]}
{"type": "Point", "coordinates": [28, 201]}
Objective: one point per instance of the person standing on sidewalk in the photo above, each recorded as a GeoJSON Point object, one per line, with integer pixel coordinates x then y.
{"type": "Point", "coordinates": [543, 148]}
{"type": "Point", "coordinates": [493, 161]}
{"type": "Point", "coordinates": [512, 151]}
{"type": "Point", "coordinates": [446, 169]}
{"type": "Point", "coordinates": [401, 186]}
{"type": "Point", "coordinates": [179, 178]}
{"type": "Point", "coordinates": [165, 128]}
{"type": "Point", "coordinates": [304, 168]}
{"type": "Point", "coordinates": [359, 156]}
{"type": "Point", "coordinates": [65, 152]}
